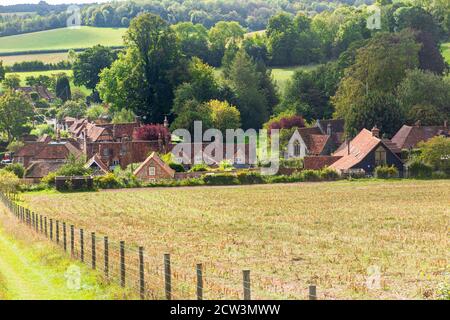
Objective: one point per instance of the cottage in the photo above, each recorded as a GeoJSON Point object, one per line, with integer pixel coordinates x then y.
{"type": "Point", "coordinates": [366, 151]}
{"type": "Point", "coordinates": [409, 136]}
{"type": "Point", "coordinates": [98, 167]}
{"type": "Point", "coordinates": [309, 141]}
{"type": "Point", "coordinates": [153, 169]}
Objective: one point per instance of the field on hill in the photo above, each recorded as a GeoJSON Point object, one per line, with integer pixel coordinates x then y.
{"type": "Point", "coordinates": [336, 235]}
{"type": "Point", "coordinates": [61, 39]}
{"type": "Point", "coordinates": [446, 51]}
{"type": "Point", "coordinates": [53, 57]}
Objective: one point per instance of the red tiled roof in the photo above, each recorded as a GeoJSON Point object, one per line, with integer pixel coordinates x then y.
{"type": "Point", "coordinates": [40, 169]}
{"type": "Point", "coordinates": [57, 151]}
{"type": "Point", "coordinates": [319, 162]}
{"type": "Point", "coordinates": [409, 136]}
{"type": "Point", "coordinates": [161, 163]}
{"type": "Point", "coordinates": [29, 149]}
{"type": "Point", "coordinates": [316, 143]}
{"type": "Point", "coordinates": [96, 159]}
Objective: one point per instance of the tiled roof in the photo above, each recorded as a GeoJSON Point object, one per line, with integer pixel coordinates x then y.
{"type": "Point", "coordinates": [409, 136]}
{"type": "Point", "coordinates": [121, 130]}
{"type": "Point", "coordinates": [319, 162]}
{"type": "Point", "coordinates": [96, 159]}
{"type": "Point", "coordinates": [29, 149]}
{"type": "Point", "coordinates": [337, 125]}
{"type": "Point", "coordinates": [161, 163]}
{"type": "Point", "coordinates": [57, 151]}
{"type": "Point", "coordinates": [360, 147]}
{"type": "Point", "coordinates": [316, 143]}
{"type": "Point", "coordinates": [39, 169]}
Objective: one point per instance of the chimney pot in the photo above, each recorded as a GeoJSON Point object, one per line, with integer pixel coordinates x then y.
{"type": "Point", "coordinates": [375, 132]}
{"type": "Point", "coordinates": [329, 129]}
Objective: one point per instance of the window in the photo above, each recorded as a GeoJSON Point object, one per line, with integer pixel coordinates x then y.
{"type": "Point", "coordinates": [380, 156]}
{"type": "Point", "coordinates": [151, 171]}
{"type": "Point", "coordinates": [106, 152]}
{"type": "Point", "coordinates": [116, 162]}
{"type": "Point", "coordinates": [297, 150]}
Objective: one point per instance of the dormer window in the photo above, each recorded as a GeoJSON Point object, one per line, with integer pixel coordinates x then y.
{"type": "Point", "coordinates": [297, 149]}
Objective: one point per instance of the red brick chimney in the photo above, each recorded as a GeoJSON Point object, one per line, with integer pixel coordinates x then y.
{"type": "Point", "coordinates": [375, 132]}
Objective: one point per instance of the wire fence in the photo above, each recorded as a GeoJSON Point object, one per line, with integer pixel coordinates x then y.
{"type": "Point", "coordinates": [150, 277]}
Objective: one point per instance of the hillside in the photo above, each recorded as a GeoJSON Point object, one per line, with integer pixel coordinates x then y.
{"type": "Point", "coordinates": [61, 39]}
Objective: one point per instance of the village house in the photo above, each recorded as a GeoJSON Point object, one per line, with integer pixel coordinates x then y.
{"type": "Point", "coordinates": [153, 169]}
{"type": "Point", "coordinates": [408, 137]}
{"type": "Point", "coordinates": [365, 152]}
{"type": "Point", "coordinates": [41, 92]}
{"type": "Point", "coordinates": [309, 141]}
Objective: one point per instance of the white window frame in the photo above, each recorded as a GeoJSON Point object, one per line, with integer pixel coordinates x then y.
{"type": "Point", "coordinates": [152, 171]}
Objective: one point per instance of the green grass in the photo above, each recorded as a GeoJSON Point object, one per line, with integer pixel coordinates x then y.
{"type": "Point", "coordinates": [61, 39]}
{"type": "Point", "coordinates": [288, 235]}
{"type": "Point", "coordinates": [446, 51]}
{"type": "Point", "coordinates": [33, 269]}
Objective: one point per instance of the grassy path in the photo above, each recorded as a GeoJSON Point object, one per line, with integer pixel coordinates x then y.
{"type": "Point", "coordinates": [36, 272]}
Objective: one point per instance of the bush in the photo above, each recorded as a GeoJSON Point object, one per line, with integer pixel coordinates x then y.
{"type": "Point", "coordinates": [108, 181]}
{"type": "Point", "coordinates": [250, 178]}
{"type": "Point", "coordinates": [386, 172]}
{"type": "Point", "coordinates": [420, 170]}
{"type": "Point", "coordinates": [178, 167]}
{"type": "Point", "coordinates": [17, 169]}
{"type": "Point", "coordinates": [225, 165]}
{"type": "Point", "coordinates": [295, 163]}
{"type": "Point", "coordinates": [439, 175]}
{"type": "Point", "coordinates": [49, 179]}
{"type": "Point", "coordinates": [199, 168]}
{"type": "Point", "coordinates": [8, 181]}
{"type": "Point", "coordinates": [220, 179]}
{"type": "Point", "coordinates": [310, 175]}
{"type": "Point", "coordinates": [328, 174]}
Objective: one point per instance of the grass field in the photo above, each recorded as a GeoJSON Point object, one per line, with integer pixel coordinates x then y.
{"type": "Point", "coordinates": [446, 51]}
{"type": "Point", "coordinates": [289, 236]}
{"type": "Point", "coordinates": [63, 38]}
{"type": "Point", "coordinates": [44, 57]}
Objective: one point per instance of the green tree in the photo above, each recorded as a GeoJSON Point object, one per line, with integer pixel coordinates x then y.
{"type": "Point", "coordinates": [375, 109]}
{"type": "Point", "coordinates": [123, 116]}
{"type": "Point", "coordinates": [219, 36]}
{"type": "Point", "coordinates": [224, 116]}
{"type": "Point", "coordinates": [2, 71]}
{"type": "Point", "coordinates": [15, 113]}
{"type": "Point", "coordinates": [424, 96]}
{"type": "Point", "coordinates": [89, 63]}
{"type": "Point", "coordinates": [193, 39]}
{"type": "Point", "coordinates": [436, 152]}
{"type": "Point", "coordinates": [245, 81]}
{"type": "Point", "coordinates": [190, 111]}
{"type": "Point", "coordinates": [11, 81]}
{"type": "Point", "coordinates": [95, 111]}
{"type": "Point", "coordinates": [74, 109]}
{"type": "Point", "coordinates": [143, 79]}
{"type": "Point", "coordinates": [62, 88]}
{"type": "Point", "coordinates": [9, 182]}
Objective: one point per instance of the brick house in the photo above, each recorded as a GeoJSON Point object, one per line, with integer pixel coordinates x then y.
{"type": "Point", "coordinates": [408, 137]}
{"type": "Point", "coordinates": [153, 169]}
{"type": "Point", "coordinates": [309, 141]}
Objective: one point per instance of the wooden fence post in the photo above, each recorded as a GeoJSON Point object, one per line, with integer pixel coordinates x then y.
{"type": "Point", "coordinates": [57, 231]}
{"type": "Point", "coordinates": [141, 273]}
{"type": "Point", "coordinates": [167, 277]}
{"type": "Point", "coordinates": [106, 256]}
{"type": "Point", "coordinates": [247, 292]}
{"type": "Point", "coordinates": [32, 220]}
{"type": "Point", "coordinates": [93, 250]}
{"type": "Point", "coordinates": [199, 281]}
{"type": "Point", "coordinates": [51, 229]}
{"type": "Point", "coordinates": [36, 222]}
{"type": "Point", "coordinates": [72, 240]}
{"type": "Point", "coordinates": [41, 224]}
{"type": "Point", "coordinates": [64, 237]}
{"type": "Point", "coordinates": [45, 226]}
{"type": "Point", "coordinates": [122, 263]}
{"type": "Point", "coordinates": [312, 292]}
{"type": "Point", "coordinates": [81, 245]}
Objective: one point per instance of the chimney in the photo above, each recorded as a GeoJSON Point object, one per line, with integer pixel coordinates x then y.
{"type": "Point", "coordinates": [329, 130]}
{"type": "Point", "coordinates": [375, 132]}
{"type": "Point", "coordinates": [85, 141]}
{"type": "Point", "coordinates": [160, 142]}
{"type": "Point", "coordinates": [58, 135]}
{"type": "Point", "coordinates": [445, 124]}
{"type": "Point", "coordinates": [114, 132]}
{"type": "Point", "coordinates": [166, 122]}
{"type": "Point", "coordinates": [417, 124]}
{"type": "Point", "coordinates": [137, 119]}
{"type": "Point", "coordinates": [348, 146]}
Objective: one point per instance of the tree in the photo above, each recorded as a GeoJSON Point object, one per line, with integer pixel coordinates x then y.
{"type": "Point", "coordinates": [72, 109]}
{"type": "Point", "coordinates": [15, 112]}
{"type": "Point", "coordinates": [2, 71]}
{"type": "Point", "coordinates": [424, 94]}
{"type": "Point", "coordinates": [152, 132]}
{"type": "Point", "coordinates": [436, 152]}
{"type": "Point", "coordinates": [11, 81]}
{"type": "Point", "coordinates": [95, 111]}
{"type": "Point", "coordinates": [246, 83]}
{"type": "Point", "coordinates": [123, 116]}
{"type": "Point", "coordinates": [193, 39]}
{"type": "Point", "coordinates": [413, 17]}
{"type": "Point", "coordinates": [62, 88]}
{"type": "Point", "coordinates": [9, 182]}
{"type": "Point", "coordinates": [379, 67]}
{"type": "Point", "coordinates": [224, 116]}
{"type": "Point", "coordinates": [219, 36]}
{"type": "Point", "coordinates": [17, 169]}
{"type": "Point", "coordinates": [190, 111]}
{"type": "Point", "coordinates": [285, 120]}
{"type": "Point", "coordinates": [143, 79]}
{"type": "Point", "coordinates": [88, 65]}
{"type": "Point", "coordinates": [375, 109]}
{"type": "Point", "coordinates": [430, 57]}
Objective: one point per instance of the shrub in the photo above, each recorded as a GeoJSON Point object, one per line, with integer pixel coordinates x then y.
{"type": "Point", "coordinates": [74, 167]}
{"type": "Point", "coordinates": [49, 179]}
{"type": "Point", "coordinates": [439, 175]}
{"type": "Point", "coordinates": [17, 169]}
{"type": "Point", "coordinates": [108, 181]}
{"type": "Point", "coordinates": [328, 174]}
{"type": "Point", "coordinates": [420, 170]}
{"type": "Point", "coordinates": [225, 165]}
{"type": "Point", "coordinates": [250, 178]}
{"type": "Point", "coordinates": [291, 163]}
{"type": "Point", "coordinates": [178, 167]}
{"type": "Point", "coordinates": [152, 132]}
{"type": "Point", "coordinates": [9, 182]}
{"type": "Point", "coordinates": [220, 179]}
{"type": "Point", "coordinates": [310, 175]}
{"type": "Point", "coordinates": [386, 172]}
{"type": "Point", "coordinates": [199, 167]}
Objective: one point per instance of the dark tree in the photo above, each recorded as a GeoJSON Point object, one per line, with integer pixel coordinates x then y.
{"type": "Point", "coordinates": [62, 88]}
